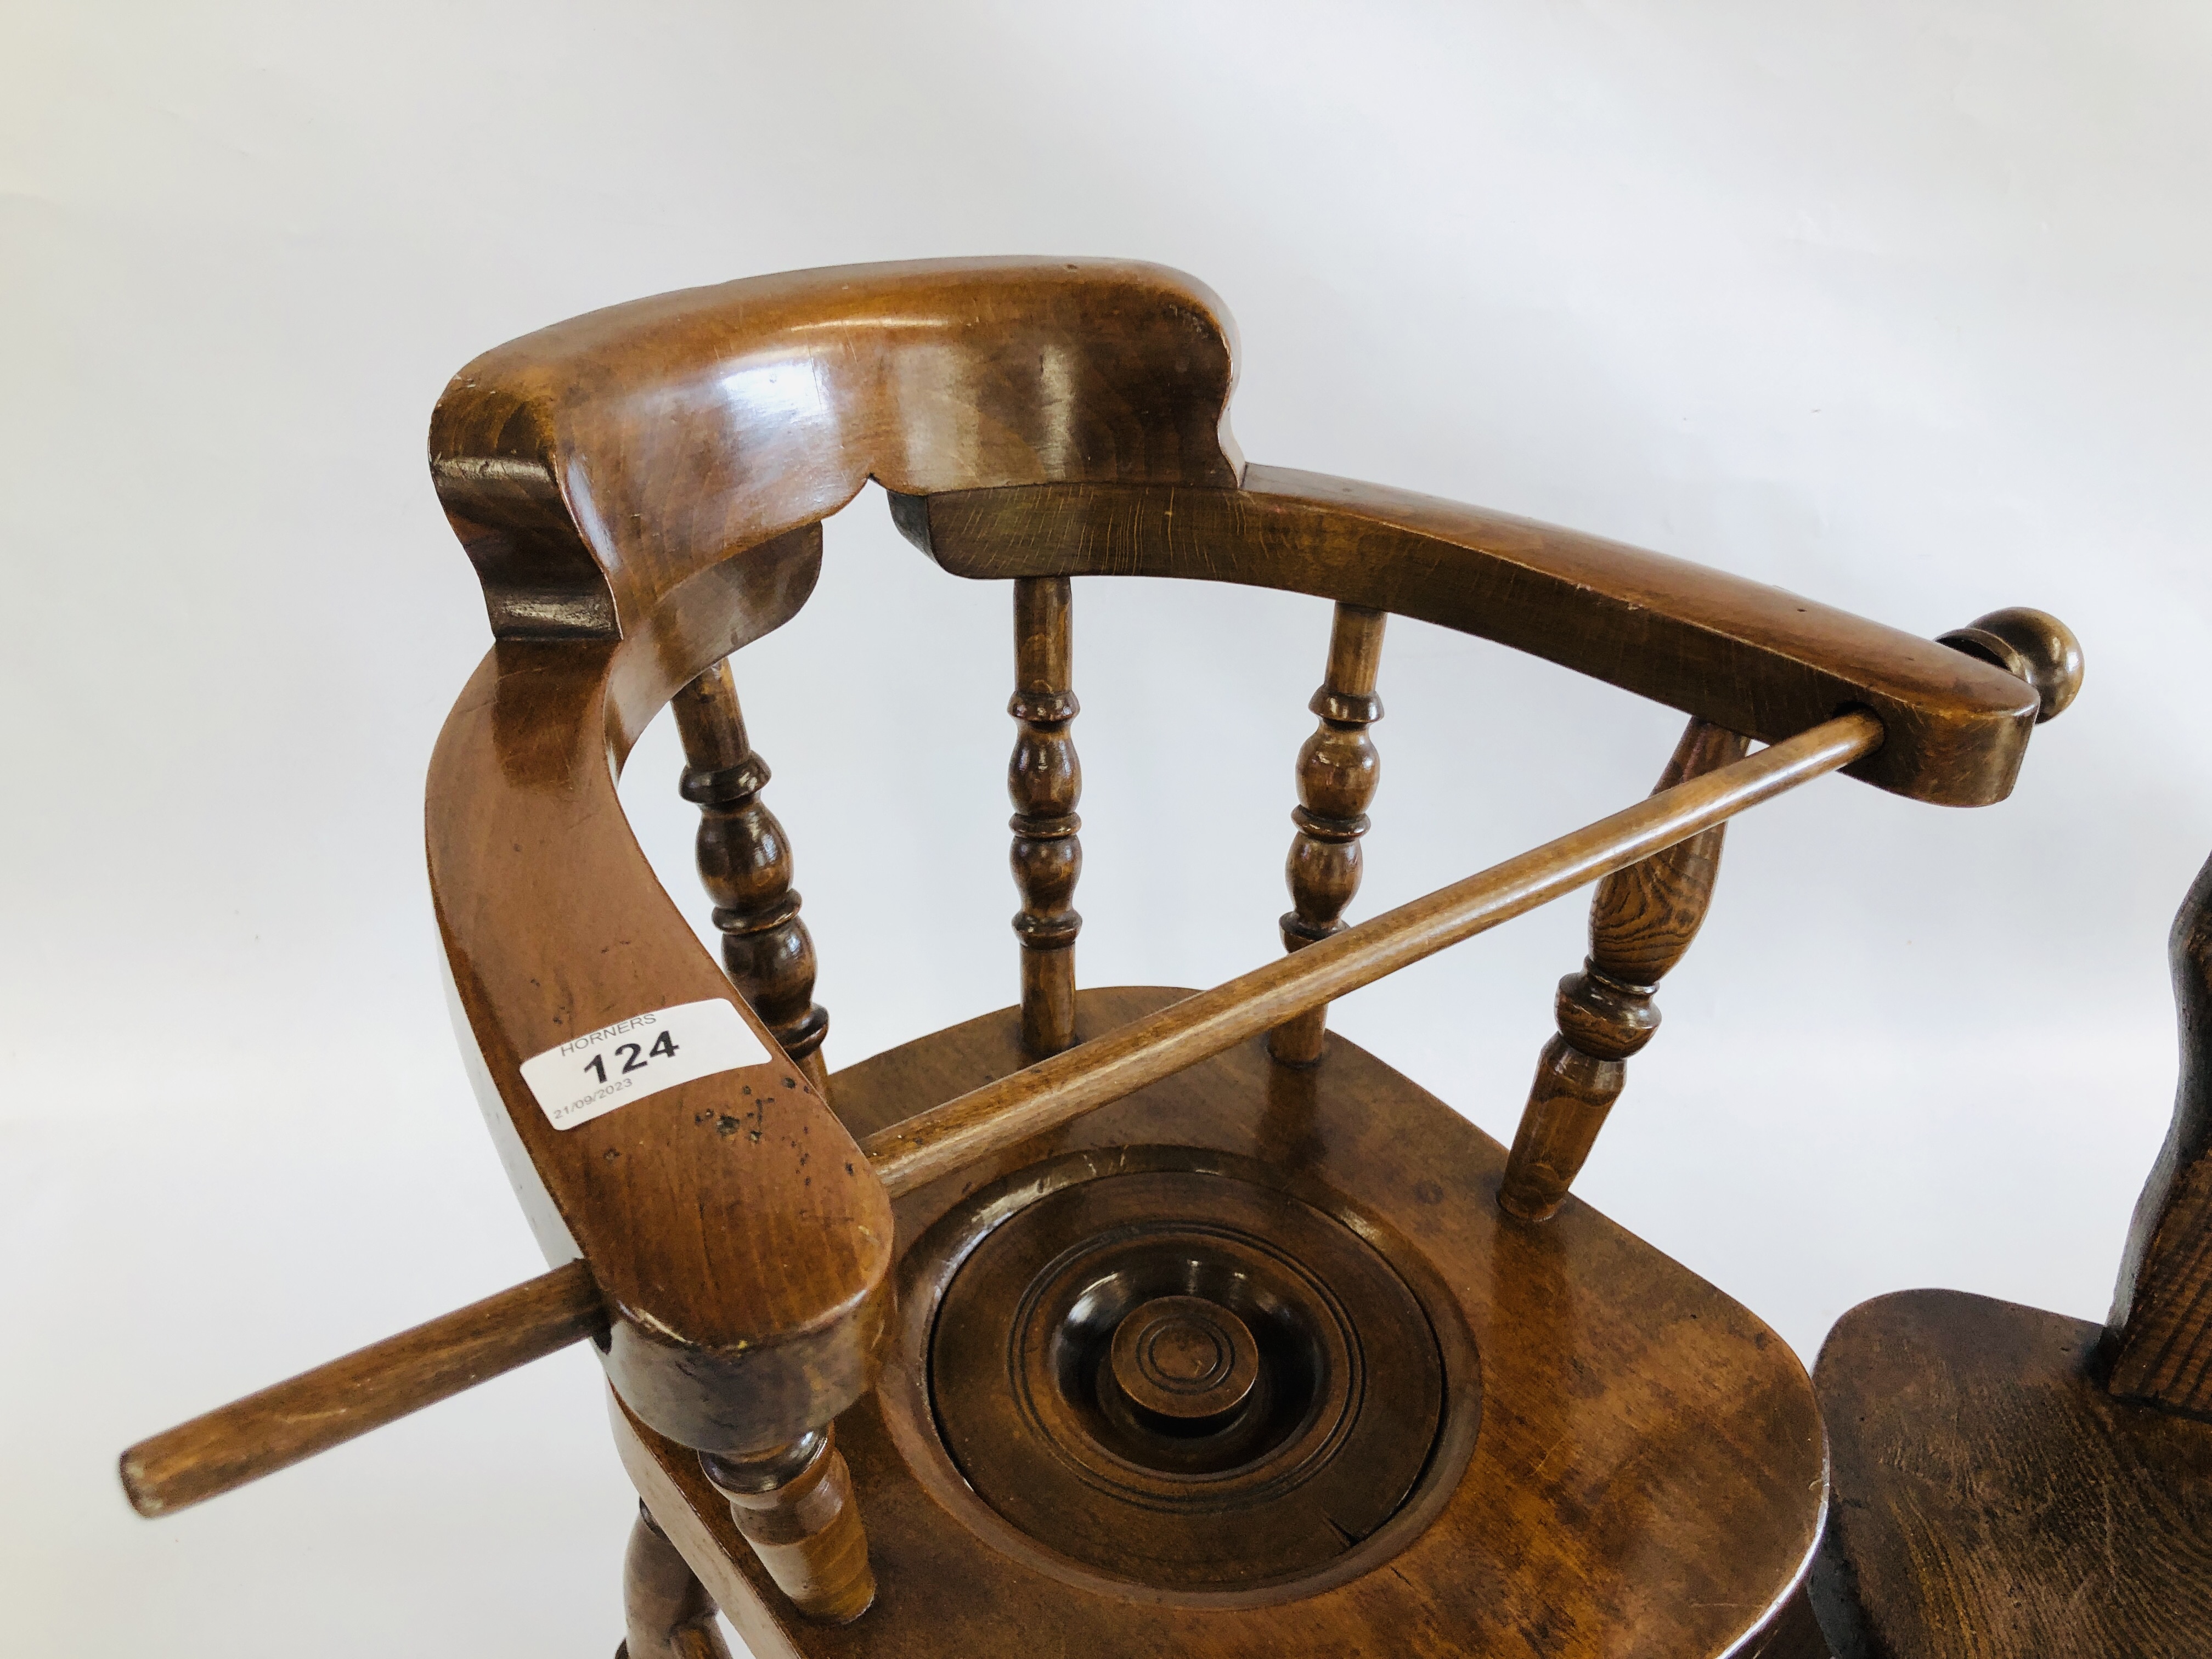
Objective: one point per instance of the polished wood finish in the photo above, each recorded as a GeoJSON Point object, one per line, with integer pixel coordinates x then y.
{"type": "Point", "coordinates": [762, 406]}
{"type": "Point", "coordinates": [1085, 401]}
{"type": "Point", "coordinates": [1569, 1528]}
{"type": "Point", "coordinates": [989, 1120]}
{"type": "Point", "coordinates": [333, 1403]}
{"type": "Point", "coordinates": [640, 492]}
{"type": "Point", "coordinates": [744, 862]}
{"type": "Point", "coordinates": [1746, 656]}
{"type": "Point", "coordinates": [1339, 770]}
{"type": "Point", "coordinates": [794, 1506]}
{"type": "Point", "coordinates": [747, 1274]}
{"type": "Point", "coordinates": [2160, 1348]}
{"type": "Point", "coordinates": [1641, 921]}
{"type": "Point", "coordinates": [1993, 1501]}
{"type": "Point", "coordinates": [666, 1612]}
{"type": "Point", "coordinates": [2030, 644]}
{"type": "Point", "coordinates": [985, 1123]}
{"type": "Point", "coordinates": [1044, 780]}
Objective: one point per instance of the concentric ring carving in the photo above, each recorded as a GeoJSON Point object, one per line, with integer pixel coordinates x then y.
{"type": "Point", "coordinates": [1180, 1379]}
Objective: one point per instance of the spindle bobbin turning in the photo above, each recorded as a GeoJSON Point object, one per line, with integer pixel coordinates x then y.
{"type": "Point", "coordinates": [1338, 772]}
{"type": "Point", "coordinates": [745, 864]}
{"type": "Point", "coordinates": [1044, 780]}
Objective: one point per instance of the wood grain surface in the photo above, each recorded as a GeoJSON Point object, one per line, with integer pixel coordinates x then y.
{"type": "Point", "coordinates": [593, 467]}
{"type": "Point", "coordinates": [1748, 657]}
{"type": "Point", "coordinates": [225, 1448]}
{"type": "Point", "coordinates": [1648, 1478]}
{"type": "Point", "coordinates": [1338, 769]}
{"type": "Point", "coordinates": [1994, 1502]}
{"type": "Point", "coordinates": [985, 1121]}
{"type": "Point", "coordinates": [1044, 780]}
{"type": "Point", "coordinates": [2161, 1346]}
{"type": "Point", "coordinates": [1642, 920]}
{"type": "Point", "coordinates": [666, 1612]}
{"type": "Point", "coordinates": [745, 863]}
{"type": "Point", "coordinates": [737, 1238]}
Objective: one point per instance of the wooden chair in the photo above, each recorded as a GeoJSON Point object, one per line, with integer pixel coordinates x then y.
{"type": "Point", "coordinates": [1146, 1321]}
{"type": "Point", "coordinates": [2013, 1482]}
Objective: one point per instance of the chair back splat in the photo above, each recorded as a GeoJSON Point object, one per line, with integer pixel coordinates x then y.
{"type": "Point", "coordinates": [1168, 1321]}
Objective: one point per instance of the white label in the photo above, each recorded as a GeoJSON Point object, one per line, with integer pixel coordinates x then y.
{"type": "Point", "coordinates": [592, 1074]}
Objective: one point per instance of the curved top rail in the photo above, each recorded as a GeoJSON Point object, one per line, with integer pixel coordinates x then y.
{"type": "Point", "coordinates": [1753, 659]}
{"type": "Point", "coordinates": [591, 467]}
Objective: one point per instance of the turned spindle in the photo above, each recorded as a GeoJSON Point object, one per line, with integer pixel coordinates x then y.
{"type": "Point", "coordinates": [666, 1612]}
{"type": "Point", "coordinates": [1641, 921]}
{"type": "Point", "coordinates": [794, 1505]}
{"type": "Point", "coordinates": [1338, 771]}
{"type": "Point", "coordinates": [744, 862]}
{"type": "Point", "coordinates": [1044, 780]}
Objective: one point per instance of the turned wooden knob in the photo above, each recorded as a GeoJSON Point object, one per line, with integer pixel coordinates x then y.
{"type": "Point", "coordinates": [1185, 1358]}
{"type": "Point", "coordinates": [2033, 645]}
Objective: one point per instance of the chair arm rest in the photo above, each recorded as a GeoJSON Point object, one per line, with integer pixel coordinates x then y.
{"type": "Point", "coordinates": [1749, 657]}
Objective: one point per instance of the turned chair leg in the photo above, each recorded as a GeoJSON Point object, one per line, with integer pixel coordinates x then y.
{"type": "Point", "coordinates": [665, 1609]}
{"type": "Point", "coordinates": [794, 1505]}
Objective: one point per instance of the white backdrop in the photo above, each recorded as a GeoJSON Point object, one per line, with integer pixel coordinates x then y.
{"type": "Point", "coordinates": [1898, 305]}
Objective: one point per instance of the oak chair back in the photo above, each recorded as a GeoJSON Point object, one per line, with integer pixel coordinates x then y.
{"type": "Point", "coordinates": [2011, 1481]}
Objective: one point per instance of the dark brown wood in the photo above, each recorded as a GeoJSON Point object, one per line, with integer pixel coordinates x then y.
{"type": "Point", "coordinates": [1338, 772]}
{"type": "Point", "coordinates": [1571, 1524]}
{"type": "Point", "coordinates": [2033, 646]}
{"type": "Point", "coordinates": [334, 1403]}
{"type": "Point", "coordinates": [744, 862]}
{"type": "Point", "coordinates": [989, 1120]}
{"type": "Point", "coordinates": [1796, 1633]}
{"type": "Point", "coordinates": [2160, 1342]}
{"type": "Point", "coordinates": [1994, 1502]}
{"type": "Point", "coordinates": [794, 1505]}
{"type": "Point", "coordinates": [1044, 780]}
{"type": "Point", "coordinates": [666, 1612]}
{"type": "Point", "coordinates": [1746, 656]}
{"type": "Point", "coordinates": [1642, 920]}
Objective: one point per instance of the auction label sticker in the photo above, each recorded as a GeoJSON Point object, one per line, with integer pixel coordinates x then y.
{"type": "Point", "coordinates": [591, 1075]}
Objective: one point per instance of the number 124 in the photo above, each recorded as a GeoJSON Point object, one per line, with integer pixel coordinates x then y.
{"type": "Point", "coordinates": [636, 1056]}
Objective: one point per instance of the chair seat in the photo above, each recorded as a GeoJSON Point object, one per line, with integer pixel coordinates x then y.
{"type": "Point", "coordinates": [1617, 1458]}
{"type": "Point", "coordinates": [1992, 1500]}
